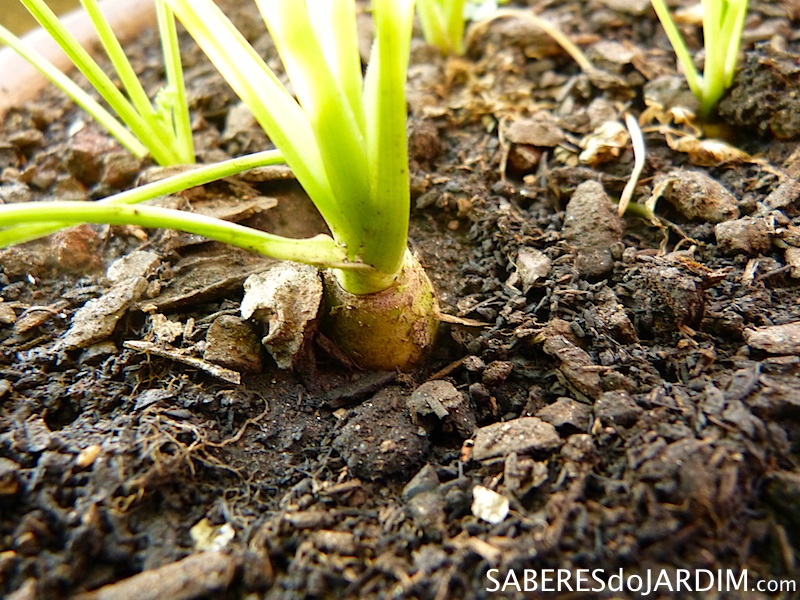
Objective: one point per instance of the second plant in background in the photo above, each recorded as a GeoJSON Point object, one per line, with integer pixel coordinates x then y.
{"type": "Point", "coordinates": [723, 22]}
{"type": "Point", "coordinates": [160, 128]}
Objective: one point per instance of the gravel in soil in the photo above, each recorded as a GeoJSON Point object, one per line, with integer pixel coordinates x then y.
{"type": "Point", "coordinates": [606, 392]}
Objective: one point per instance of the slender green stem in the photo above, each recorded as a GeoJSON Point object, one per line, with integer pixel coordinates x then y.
{"type": "Point", "coordinates": [349, 153]}
{"type": "Point", "coordinates": [387, 150]}
{"type": "Point", "coordinates": [736, 24]}
{"type": "Point", "coordinates": [434, 26]}
{"type": "Point", "coordinates": [119, 60]}
{"type": "Point", "coordinates": [160, 132]}
{"type": "Point", "coordinates": [99, 80]}
{"type": "Point", "coordinates": [639, 210]}
{"type": "Point", "coordinates": [693, 78]}
{"type": "Point", "coordinates": [320, 250]}
{"type": "Point", "coordinates": [455, 27]}
{"type": "Point", "coordinates": [164, 130]}
{"type": "Point", "coordinates": [723, 22]}
{"type": "Point", "coordinates": [179, 107]}
{"type": "Point", "coordinates": [273, 107]}
{"type": "Point", "coordinates": [74, 91]}
{"type": "Point", "coordinates": [196, 176]}
{"type": "Point", "coordinates": [334, 25]}
{"type": "Point", "coordinates": [443, 24]}
{"type": "Point", "coordinates": [326, 105]}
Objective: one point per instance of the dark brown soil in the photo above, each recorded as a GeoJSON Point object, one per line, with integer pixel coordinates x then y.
{"type": "Point", "coordinates": [649, 395]}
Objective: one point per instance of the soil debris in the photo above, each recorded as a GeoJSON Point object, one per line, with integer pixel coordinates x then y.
{"type": "Point", "coordinates": [441, 399]}
{"type": "Point", "coordinates": [775, 339]}
{"type": "Point", "coordinates": [531, 266]}
{"type": "Point", "coordinates": [380, 439]}
{"type": "Point", "coordinates": [195, 576]}
{"type": "Point", "coordinates": [765, 95]}
{"type": "Point", "coordinates": [629, 389]}
{"type": "Point", "coordinates": [139, 263]}
{"type": "Point", "coordinates": [593, 227]}
{"type": "Point", "coordinates": [697, 196]}
{"type": "Point", "coordinates": [181, 356]}
{"type": "Point", "coordinates": [576, 365]}
{"type": "Point", "coordinates": [285, 299]}
{"type": "Point", "coordinates": [96, 320]}
{"type": "Point", "coordinates": [524, 435]}
{"type": "Point", "coordinates": [748, 235]}
{"type": "Point", "coordinates": [232, 343]}
{"type": "Point", "coordinates": [566, 415]}
{"type": "Point", "coordinates": [617, 408]}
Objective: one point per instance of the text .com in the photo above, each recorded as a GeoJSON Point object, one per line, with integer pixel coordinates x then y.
{"type": "Point", "coordinates": [650, 581]}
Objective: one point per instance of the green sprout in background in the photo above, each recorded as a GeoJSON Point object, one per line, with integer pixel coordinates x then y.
{"type": "Point", "coordinates": [344, 138]}
{"type": "Point", "coordinates": [160, 128]}
{"type": "Point", "coordinates": [723, 21]}
{"type": "Point", "coordinates": [443, 21]}
{"type": "Point", "coordinates": [443, 24]}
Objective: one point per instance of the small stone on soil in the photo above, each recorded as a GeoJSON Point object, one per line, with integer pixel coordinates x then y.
{"type": "Point", "coordinates": [380, 440]}
{"type": "Point", "coordinates": [442, 399]}
{"type": "Point", "coordinates": [85, 156]}
{"type": "Point", "coordinates": [488, 505]}
{"type": "Point", "coordinates": [425, 480]}
{"type": "Point", "coordinates": [697, 196]}
{"type": "Point", "coordinates": [96, 320]}
{"type": "Point", "coordinates": [497, 372]}
{"type": "Point", "coordinates": [427, 511]}
{"type": "Point", "coordinates": [540, 131]}
{"type": "Point", "coordinates": [240, 119]}
{"type": "Point", "coordinates": [617, 408]}
{"type": "Point", "coordinates": [592, 226]}
{"type": "Point", "coordinates": [76, 249]}
{"type": "Point", "coordinates": [232, 343]}
{"type": "Point", "coordinates": [566, 415]}
{"type": "Point", "coordinates": [7, 314]}
{"type": "Point", "coordinates": [667, 300]}
{"type": "Point", "coordinates": [786, 194]}
{"type": "Point", "coordinates": [748, 235]}
{"type": "Point", "coordinates": [97, 353]}
{"type": "Point", "coordinates": [12, 193]}
{"type": "Point", "coordinates": [342, 543]}
{"type": "Point", "coordinates": [120, 169]}
{"type": "Point", "coordinates": [525, 435]}
{"type": "Point", "coordinates": [139, 263]}
{"type": "Point", "coordinates": [775, 339]}
{"type": "Point", "coordinates": [9, 472]}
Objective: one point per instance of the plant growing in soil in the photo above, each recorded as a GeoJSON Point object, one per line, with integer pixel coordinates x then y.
{"type": "Point", "coordinates": [723, 21]}
{"type": "Point", "coordinates": [443, 24]}
{"type": "Point", "coordinates": [345, 140]}
{"type": "Point", "coordinates": [160, 128]}
{"type": "Point", "coordinates": [443, 21]}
